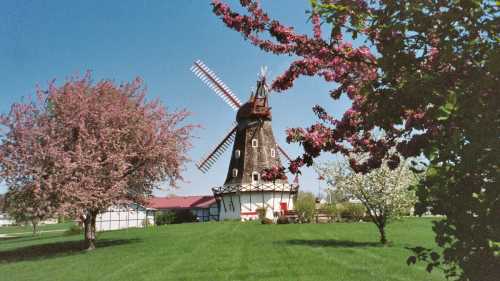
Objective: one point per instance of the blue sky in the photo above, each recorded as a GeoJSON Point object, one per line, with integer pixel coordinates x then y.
{"type": "Point", "coordinates": [158, 41]}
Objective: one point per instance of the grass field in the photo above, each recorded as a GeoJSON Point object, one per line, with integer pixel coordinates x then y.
{"type": "Point", "coordinates": [28, 229]}
{"type": "Point", "coordinates": [222, 251]}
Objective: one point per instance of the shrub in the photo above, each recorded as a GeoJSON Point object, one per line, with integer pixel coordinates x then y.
{"type": "Point", "coordinates": [166, 217]}
{"type": "Point", "coordinates": [145, 222]}
{"type": "Point", "coordinates": [305, 205]}
{"type": "Point", "coordinates": [351, 211]}
{"type": "Point", "coordinates": [184, 215]}
{"type": "Point", "coordinates": [74, 230]}
{"type": "Point", "coordinates": [261, 212]}
{"type": "Point", "coordinates": [331, 210]}
{"type": "Point", "coordinates": [282, 220]}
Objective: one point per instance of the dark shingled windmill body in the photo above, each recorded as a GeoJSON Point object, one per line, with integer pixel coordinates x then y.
{"type": "Point", "coordinates": [254, 150]}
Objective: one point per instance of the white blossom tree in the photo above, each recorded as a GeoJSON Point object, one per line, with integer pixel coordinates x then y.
{"type": "Point", "coordinates": [385, 192]}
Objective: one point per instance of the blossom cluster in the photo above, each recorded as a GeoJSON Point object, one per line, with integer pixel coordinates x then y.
{"type": "Point", "coordinates": [355, 73]}
{"type": "Point", "coordinates": [274, 173]}
{"type": "Point", "coordinates": [352, 68]}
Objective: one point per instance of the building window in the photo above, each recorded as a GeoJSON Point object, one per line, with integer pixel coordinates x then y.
{"type": "Point", "coordinates": [273, 152]}
{"type": "Point", "coordinates": [237, 154]}
{"type": "Point", "coordinates": [255, 177]}
{"type": "Point", "coordinates": [235, 173]}
{"type": "Point", "coordinates": [255, 143]}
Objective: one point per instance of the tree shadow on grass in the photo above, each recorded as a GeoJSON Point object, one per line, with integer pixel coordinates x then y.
{"type": "Point", "coordinates": [8, 238]}
{"type": "Point", "coordinates": [52, 250]}
{"type": "Point", "coordinates": [18, 239]}
{"type": "Point", "coordinates": [329, 243]}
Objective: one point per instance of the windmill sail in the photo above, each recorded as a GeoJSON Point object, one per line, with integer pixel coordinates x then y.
{"type": "Point", "coordinates": [215, 83]}
{"type": "Point", "coordinates": [283, 152]}
{"type": "Point", "coordinates": [206, 162]}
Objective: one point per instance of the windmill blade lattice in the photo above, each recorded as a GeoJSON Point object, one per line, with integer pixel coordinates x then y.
{"type": "Point", "coordinates": [215, 83]}
{"type": "Point", "coordinates": [209, 160]}
{"type": "Point", "coordinates": [283, 152]}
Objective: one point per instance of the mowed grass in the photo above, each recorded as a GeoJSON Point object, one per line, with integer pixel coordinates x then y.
{"type": "Point", "coordinates": [28, 229]}
{"type": "Point", "coordinates": [223, 251]}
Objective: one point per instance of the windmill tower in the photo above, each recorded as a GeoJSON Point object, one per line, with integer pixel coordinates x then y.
{"type": "Point", "coordinates": [254, 149]}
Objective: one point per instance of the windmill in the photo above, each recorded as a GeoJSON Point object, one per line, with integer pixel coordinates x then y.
{"type": "Point", "coordinates": [254, 149]}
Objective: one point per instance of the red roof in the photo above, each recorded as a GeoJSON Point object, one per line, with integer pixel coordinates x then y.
{"type": "Point", "coordinates": [181, 202]}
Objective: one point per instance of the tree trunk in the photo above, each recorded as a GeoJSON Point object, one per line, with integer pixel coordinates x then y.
{"type": "Point", "coordinates": [34, 223]}
{"type": "Point", "coordinates": [89, 224]}
{"type": "Point", "coordinates": [383, 239]}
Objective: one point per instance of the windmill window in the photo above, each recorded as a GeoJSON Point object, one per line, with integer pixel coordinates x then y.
{"type": "Point", "coordinates": [255, 177]}
{"type": "Point", "coordinates": [237, 154]}
{"type": "Point", "coordinates": [273, 152]}
{"type": "Point", "coordinates": [235, 173]}
{"type": "Point", "coordinates": [255, 143]}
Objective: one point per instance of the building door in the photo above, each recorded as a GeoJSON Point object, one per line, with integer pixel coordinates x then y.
{"type": "Point", "coordinates": [284, 208]}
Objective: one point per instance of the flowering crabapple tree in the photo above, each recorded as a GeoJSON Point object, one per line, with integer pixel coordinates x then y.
{"type": "Point", "coordinates": [384, 192]}
{"type": "Point", "coordinates": [86, 146]}
{"type": "Point", "coordinates": [274, 173]}
{"type": "Point", "coordinates": [22, 166]}
{"type": "Point", "coordinates": [25, 204]}
{"type": "Point", "coordinates": [427, 75]}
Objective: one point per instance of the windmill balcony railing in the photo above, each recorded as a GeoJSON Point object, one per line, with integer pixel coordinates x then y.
{"type": "Point", "coordinates": [263, 187]}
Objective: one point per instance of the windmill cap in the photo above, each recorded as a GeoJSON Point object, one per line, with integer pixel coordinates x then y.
{"type": "Point", "coordinates": [245, 112]}
{"type": "Point", "coordinates": [257, 105]}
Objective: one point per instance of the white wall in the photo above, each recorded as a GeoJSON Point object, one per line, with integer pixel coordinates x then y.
{"type": "Point", "coordinates": [5, 220]}
{"type": "Point", "coordinates": [120, 217]}
{"type": "Point", "coordinates": [246, 204]}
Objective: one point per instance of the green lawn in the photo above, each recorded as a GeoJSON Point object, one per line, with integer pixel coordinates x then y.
{"type": "Point", "coordinates": [223, 251]}
{"type": "Point", "coordinates": [28, 229]}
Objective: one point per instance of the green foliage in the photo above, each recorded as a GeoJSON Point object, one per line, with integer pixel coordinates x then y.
{"type": "Point", "coordinates": [74, 230]}
{"type": "Point", "coordinates": [331, 210]}
{"type": "Point", "coordinates": [261, 212]}
{"type": "Point", "coordinates": [165, 217]}
{"type": "Point", "coordinates": [351, 211]}
{"type": "Point", "coordinates": [174, 216]}
{"type": "Point", "coordinates": [184, 216]}
{"type": "Point", "coordinates": [305, 205]}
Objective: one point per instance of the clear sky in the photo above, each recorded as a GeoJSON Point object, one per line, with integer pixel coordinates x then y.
{"type": "Point", "coordinates": [158, 41]}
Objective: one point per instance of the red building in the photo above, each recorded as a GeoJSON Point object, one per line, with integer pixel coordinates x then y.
{"type": "Point", "coordinates": [205, 208]}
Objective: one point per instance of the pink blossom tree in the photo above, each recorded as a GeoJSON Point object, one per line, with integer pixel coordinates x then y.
{"type": "Point", "coordinates": [23, 165]}
{"type": "Point", "coordinates": [28, 205]}
{"type": "Point", "coordinates": [427, 76]}
{"type": "Point", "coordinates": [88, 146]}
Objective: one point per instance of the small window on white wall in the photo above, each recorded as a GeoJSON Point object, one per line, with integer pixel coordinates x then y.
{"type": "Point", "coordinates": [237, 154]}
{"type": "Point", "coordinates": [255, 177]}
{"type": "Point", "coordinates": [235, 173]}
{"type": "Point", "coordinates": [255, 143]}
{"type": "Point", "coordinates": [273, 152]}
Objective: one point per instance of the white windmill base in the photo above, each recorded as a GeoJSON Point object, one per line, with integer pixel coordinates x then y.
{"type": "Point", "coordinates": [242, 204]}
